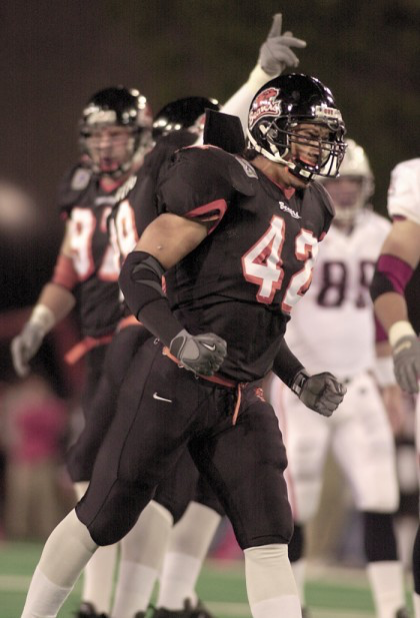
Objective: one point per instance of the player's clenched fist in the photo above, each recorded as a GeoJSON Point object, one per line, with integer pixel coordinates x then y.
{"type": "Point", "coordinates": [321, 392]}
{"type": "Point", "coordinates": [202, 354]}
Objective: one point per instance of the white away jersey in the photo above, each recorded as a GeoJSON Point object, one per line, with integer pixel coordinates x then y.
{"type": "Point", "coordinates": [404, 191]}
{"type": "Point", "coordinates": [332, 328]}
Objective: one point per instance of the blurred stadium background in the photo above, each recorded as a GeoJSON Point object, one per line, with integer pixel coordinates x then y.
{"type": "Point", "coordinates": [55, 55]}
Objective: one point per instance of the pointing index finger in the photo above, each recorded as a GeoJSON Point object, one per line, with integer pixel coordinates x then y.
{"type": "Point", "coordinates": [276, 26]}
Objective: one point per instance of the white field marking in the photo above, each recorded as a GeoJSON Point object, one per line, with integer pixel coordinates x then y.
{"type": "Point", "coordinates": [14, 583]}
{"type": "Point", "coordinates": [20, 583]}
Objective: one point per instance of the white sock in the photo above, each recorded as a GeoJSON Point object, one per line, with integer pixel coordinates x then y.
{"type": "Point", "coordinates": [44, 598]}
{"type": "Point", "coordinates": [67, 550]}
{"type": "Point", "coordinates": [188, 545]}
{"type": "Point", "coordinates": [270, 583]}
{"type": "Point", "coordinates": [135, 587]}
{"type": "Point", "coordinates": [80, 489]}
{"type": "Point", "coordinates": [416, 605]}
{"type": "Point", "coordinates": [387, 583]}
{"type": "Point", "coordinates": [179, 576]}
{"type": "Point", "coordinates": [287, 605]}
{"type": "Point", "coordinates": [142, 550]}
{"type": "Point", "coordinates": [299, 572]}
{"type": "Point", "coordinates": [98, 576]}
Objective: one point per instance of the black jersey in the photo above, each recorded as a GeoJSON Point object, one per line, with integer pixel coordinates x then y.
{"type": "Point", "coordinates": [243, 280]}
{"type": "Point", "coordinates": [87, 206]}
{"type": "Point", "coordinates": [135, 201]}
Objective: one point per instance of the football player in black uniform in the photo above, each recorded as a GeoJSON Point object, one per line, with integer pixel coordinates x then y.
{"type": "Point", "coordinates": [115, 132]}
{"type": "Point", "coordinates": [275, 54]}
{"type": "Point", "coordinates": [237, 239]}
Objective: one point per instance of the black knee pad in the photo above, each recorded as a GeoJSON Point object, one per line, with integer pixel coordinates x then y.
{"type": "Point", "coordinates": [379, 537]}
{"type": "Point", "coordinates": [109, 520]}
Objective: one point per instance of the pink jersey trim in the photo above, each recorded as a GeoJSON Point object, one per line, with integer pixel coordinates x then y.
{"type": "Point", "coordinates": [211, 212]}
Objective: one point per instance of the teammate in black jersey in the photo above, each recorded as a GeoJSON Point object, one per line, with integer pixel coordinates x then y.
{"type": "Point", "coordinates": [115, 132]}
{"type": "Point", "coordinates": [237, 241]}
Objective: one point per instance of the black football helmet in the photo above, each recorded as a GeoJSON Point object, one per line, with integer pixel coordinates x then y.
{"type": "Point", "coordinates": [276, 111]}
{"type": "Point", "coordinates": [182, 114]}
{"type": "Point", "coordinates": [119, 107]}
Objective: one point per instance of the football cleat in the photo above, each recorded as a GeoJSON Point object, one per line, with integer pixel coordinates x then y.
{"type": "Point", "coordinates": [87, 610]}
{"type": "Point", "coordinates": [189, 611]}
{"type": "Point", "coordinates": [402, 613]}
{"type": "Point", "coordinates": [305, 613]}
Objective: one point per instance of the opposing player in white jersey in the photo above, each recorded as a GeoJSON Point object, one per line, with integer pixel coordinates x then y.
{"type": "Point", "coordinates": [333, 327]}
{"type": "Point", "coordinates": [399, 258]}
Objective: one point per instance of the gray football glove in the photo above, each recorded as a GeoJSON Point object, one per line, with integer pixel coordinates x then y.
{"type": "Point", "coordinates": [321, 392]}
{"type": "Point", "coordinates": [201, 354]}
{"type": "Point", "coordinates": [406, 355]}
{"type": "Point", "coordinates": [275, 53]}
{"type": "Point", "coordinates": [24, 347]}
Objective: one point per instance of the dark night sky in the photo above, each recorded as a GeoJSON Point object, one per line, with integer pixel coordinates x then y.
{"type": "Point", "coordinates": [55, 54]}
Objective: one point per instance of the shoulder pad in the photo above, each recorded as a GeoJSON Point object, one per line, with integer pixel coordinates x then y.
{"type": "Point", "coordinates": [73, 184]}
{"type": "Point", "coordinates": [232, 168]}
{"type": "Point", "coordinates": [242, 175]}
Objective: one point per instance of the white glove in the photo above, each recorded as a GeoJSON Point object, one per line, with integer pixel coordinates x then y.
{"type": "Point", "coordinates": [25, 345]}
{"type": "Point", "coordinates": [202, 354]}
{"type": "Point", "coordinates": [275, 53]}
{"type": "Point", "coordinates": [321, 392]}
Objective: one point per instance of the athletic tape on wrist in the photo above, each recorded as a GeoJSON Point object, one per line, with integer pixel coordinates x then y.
{"type": "Point", "coordinates": [43, 318]}
{"type": "Point", "coordinates": [400, 329]}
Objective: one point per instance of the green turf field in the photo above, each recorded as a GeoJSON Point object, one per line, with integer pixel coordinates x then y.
{"type": "Point", "coordinates": [331, 592]}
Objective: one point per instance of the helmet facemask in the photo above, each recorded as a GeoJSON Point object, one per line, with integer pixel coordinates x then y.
{"type": "Point", "coordinates": [115, 131]}
{"type": "Point", "coordinates": [283, 137]}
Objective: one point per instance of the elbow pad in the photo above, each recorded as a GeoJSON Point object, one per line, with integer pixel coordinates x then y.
{"type": "Point", "coordinates": [141, 283]}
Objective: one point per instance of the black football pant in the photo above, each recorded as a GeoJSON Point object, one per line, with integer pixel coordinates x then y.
{"type": "Point", "coordinates": [107, 367]}
{"type": "Point", "coordinates": [164, 410]}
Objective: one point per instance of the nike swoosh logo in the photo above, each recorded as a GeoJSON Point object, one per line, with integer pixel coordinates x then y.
{"type": "Point", "coordinates": [211, 347]}
{"type": "Point", "coordinates": [156, 396]}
